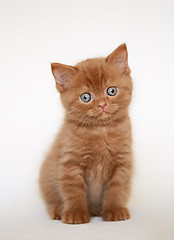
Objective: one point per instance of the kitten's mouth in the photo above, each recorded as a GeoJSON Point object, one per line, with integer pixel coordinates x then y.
{"type": "Point", "coordinates": [103, 113]}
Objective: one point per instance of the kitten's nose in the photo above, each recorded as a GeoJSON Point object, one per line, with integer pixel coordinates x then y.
{"type": "Point", "coordinates": [102, 105]}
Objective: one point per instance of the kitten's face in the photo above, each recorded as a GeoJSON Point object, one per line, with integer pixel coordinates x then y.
{"type": "Point", "coordinates": [96, 91]}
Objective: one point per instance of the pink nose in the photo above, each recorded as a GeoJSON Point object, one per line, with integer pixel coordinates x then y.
{"type": "Point", "coordinates": [102, 105]}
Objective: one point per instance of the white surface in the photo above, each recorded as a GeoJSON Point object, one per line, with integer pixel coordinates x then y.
{"type": "Point", "coordinates": [34, 33]}
{"type": "Point", "coordinates": [32, 223]}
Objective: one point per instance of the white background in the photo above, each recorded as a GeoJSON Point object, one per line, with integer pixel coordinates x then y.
{"type": "Point", "coordinates": [33, 34]}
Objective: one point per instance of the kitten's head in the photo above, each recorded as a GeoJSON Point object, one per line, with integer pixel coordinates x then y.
{"type": "Point", "coordinates": [95, 91]}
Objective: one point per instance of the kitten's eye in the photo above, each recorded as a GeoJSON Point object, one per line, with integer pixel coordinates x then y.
{"type": "Point", "coordinates": [112, 91]}
{"type": "Point", "coordinates": [86, 97]}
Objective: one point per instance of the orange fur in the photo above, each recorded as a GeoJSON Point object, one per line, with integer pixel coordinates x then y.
{"type": "Point", "coordinates": [88, 170]}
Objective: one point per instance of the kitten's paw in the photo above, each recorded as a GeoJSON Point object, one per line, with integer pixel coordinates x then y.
{"type": "Point", "coordinates": [117, 214]}
{"type": "Point", "coordinates": [75, 217]}
{"type": "Point", "coordinates": [54, 212]}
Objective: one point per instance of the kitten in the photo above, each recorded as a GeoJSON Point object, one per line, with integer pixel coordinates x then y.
{"type": "Point", "coordinates": [88, 170]}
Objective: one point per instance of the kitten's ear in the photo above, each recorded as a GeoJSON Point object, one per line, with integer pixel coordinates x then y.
{"type": "Point", "coordinates": [119, 57]}
{"type": "Point", "coordinates": [62, 73]}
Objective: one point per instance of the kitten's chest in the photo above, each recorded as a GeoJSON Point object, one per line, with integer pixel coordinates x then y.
{"type": "Point", "coordinates": [100, 165]}
{"type": "Point", "coordinates": [101, 160]}
{"type": "Point", "coordinates": [103, 149]}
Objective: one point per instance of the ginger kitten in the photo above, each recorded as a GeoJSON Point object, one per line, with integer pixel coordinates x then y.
{"type": "Point", "coordinates": [89, 167]}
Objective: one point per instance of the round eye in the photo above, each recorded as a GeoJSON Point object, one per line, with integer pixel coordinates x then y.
{"type": "Point", "coordinates": [112, 91]}
{"type": "Point", "coordinates": [86, 97]}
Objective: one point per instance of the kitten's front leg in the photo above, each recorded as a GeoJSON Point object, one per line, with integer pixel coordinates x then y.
{"type": "Point", "coordinates": [116, 195]}
{"type": "Point", "coordinates": [73, 191]}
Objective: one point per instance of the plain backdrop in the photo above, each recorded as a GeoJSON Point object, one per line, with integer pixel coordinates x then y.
{"type": "Point", "coordinates": [34, 33]}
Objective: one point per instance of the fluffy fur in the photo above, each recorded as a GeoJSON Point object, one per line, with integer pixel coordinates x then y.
{"type": "Point", "coordinates": [88, 169]}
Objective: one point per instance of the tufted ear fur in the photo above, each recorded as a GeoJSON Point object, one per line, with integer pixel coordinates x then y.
{"type": "Point", "coordinates": [119, 57]}
{"type": "Point", "coordinates": [62, 74]}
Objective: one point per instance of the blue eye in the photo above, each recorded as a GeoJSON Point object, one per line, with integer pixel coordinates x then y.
{"type": "Point", "coordinates": [86, 97]}
{"type": "Point", "coordinates": [112, 91]}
